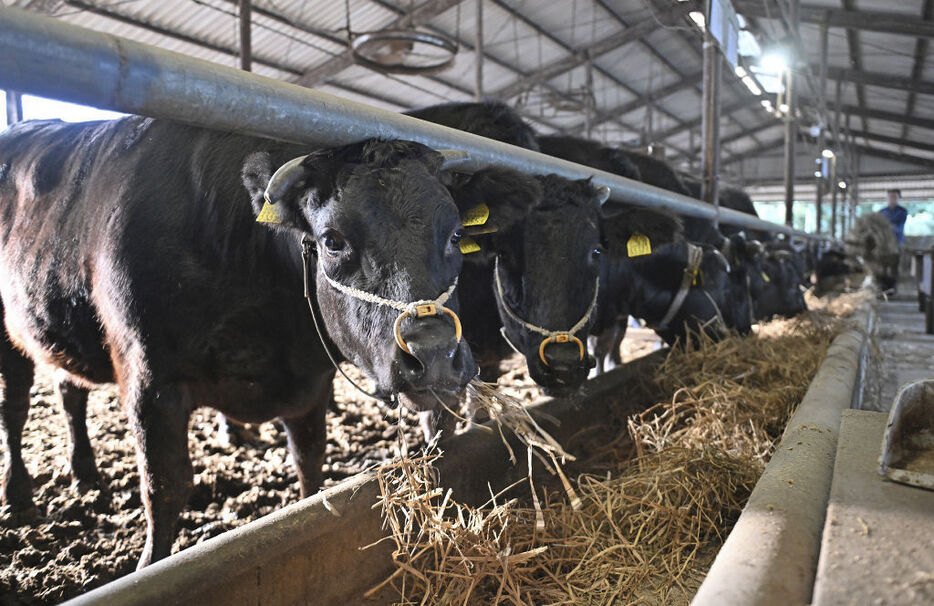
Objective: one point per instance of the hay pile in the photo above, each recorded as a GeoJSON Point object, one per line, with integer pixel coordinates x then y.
{"type": "Point", "coordinates": [638, 529]}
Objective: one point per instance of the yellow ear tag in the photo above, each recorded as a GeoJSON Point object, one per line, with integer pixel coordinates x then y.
{"type": "Point", "coordinates": [638, 245]}
{"type": "Point", "coordinates": [269, 214]}
{"type": "Point", "coordinates": [468, 245]}
{"type": "Point", "coordinates": [698, 278]}
{"type": "Point", "coordinates": [765, 277]}
{"type": "Point", "coordinates": [477, 215]}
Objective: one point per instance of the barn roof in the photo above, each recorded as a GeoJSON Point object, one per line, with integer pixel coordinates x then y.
{"type": "Point", "coordinates": [629, 70]}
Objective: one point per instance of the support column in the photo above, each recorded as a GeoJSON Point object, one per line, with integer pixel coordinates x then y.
{"type": "Point", "coordinates": [791, 131]}
{"type": "Point", "coordinates": [838, 149]}
{"type": "Point", "coordinates": [478, 55]}
{"type": "Point", "coordinates": [14, 107]}
{"type": "Point", "coordinates": [246, 35]}
{"type": "Point", "coordinates": [710, 124]}
{"type": "Point", "coordinates": [821, 136]}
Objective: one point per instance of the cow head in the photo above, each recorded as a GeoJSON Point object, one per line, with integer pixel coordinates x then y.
{"type": "Point", "coordinates": [547, 259]}
{"type": "Point", "coordinates": [781, 292]}
{"type": "Point", "coordinates": [729, 286]}
{"type": "Point", "coordinates": [382, 227]}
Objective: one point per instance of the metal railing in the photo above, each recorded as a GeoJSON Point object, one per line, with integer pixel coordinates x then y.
{"type": "Point", "coordinates": [43, 56]}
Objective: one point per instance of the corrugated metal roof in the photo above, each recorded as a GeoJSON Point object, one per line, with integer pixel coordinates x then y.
{"type": "Point", "coordinates": [524, 37]}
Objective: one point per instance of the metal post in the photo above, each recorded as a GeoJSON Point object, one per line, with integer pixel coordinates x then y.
{"type": "Point", "coordinates": [14, 107]}
{"type": "Point", "coordinates": [55, 59]}
{"type": "Point", "coordinates": [843, 223]}
{"type": "Point", "coordinates": [246, 44]}
{"type": "Point", "coordinates": [791, 130]}
{"type": "Point", "coordinates": [478, 54]}
{"type": "Point", "coordinates": [590, 101]}
{"type": "Point", "coordinates": [837, 150]}
{"type": "Point", "coordinates": [710, 123]}
{"type": "Point", "coordinates": [821, 136]}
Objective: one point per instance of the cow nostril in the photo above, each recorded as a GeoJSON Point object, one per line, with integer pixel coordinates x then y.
{"type": "Point", "coordinates": [412, 368]}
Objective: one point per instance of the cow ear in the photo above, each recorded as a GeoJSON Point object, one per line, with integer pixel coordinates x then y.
{"type": "Point", "coordinates": [638, 230]}
{"type": "Point", "coordinates": [492, 200]}
{"type": "Point", "coordinates": [277, 196]}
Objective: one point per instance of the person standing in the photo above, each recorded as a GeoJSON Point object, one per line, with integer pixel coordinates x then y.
{"type": "Point", "coordinates": [895, 213]}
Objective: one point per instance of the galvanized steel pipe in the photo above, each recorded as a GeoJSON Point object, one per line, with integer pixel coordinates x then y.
{"type": "Point", "coordinates": [51, 58]}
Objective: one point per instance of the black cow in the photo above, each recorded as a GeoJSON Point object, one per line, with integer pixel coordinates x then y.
{"type": "Point", "coordinates": [778, 288]}
{"type": "Point", "coordinates": [639, 287]}
{"type": "Point", "coordinates": [548, 259]}
{"type": "Point", "coordinates": [675, 294]}
{"type": "Point", "coordinates": [130, 252]}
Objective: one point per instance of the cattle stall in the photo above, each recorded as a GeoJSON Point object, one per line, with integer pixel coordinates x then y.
{"type": "Point", "coordinates": [781, 548]}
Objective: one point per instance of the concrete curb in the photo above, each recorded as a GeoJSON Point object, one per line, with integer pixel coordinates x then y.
{"type": "Point", "coordinates": [770, 557]}
{"type": "Point", "coordinates": [309, 552]}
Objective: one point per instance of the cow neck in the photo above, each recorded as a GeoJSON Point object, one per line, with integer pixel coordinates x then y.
{"type": "Point", "coordinates": [695, 256]}
{"type": "Point", "coordinates": [546, 332]}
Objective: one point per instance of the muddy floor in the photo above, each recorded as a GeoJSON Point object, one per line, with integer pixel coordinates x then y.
{"type": "Point", "coordinates": [82, 540]}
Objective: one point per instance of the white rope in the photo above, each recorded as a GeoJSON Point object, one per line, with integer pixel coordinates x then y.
{"type": "Point", "coordinates": [695, 256]}
{"type": "Point", "coordinates": [721, 324]}
{"type": "Point", "coordinates": [543, 331]}
{"type": "Point", "coordinates": [397, 305]}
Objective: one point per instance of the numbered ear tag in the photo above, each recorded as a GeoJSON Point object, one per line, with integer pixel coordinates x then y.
{"type": "Point", "coordinates": [638, 245]}
{"type": "Point", "coordinates": [478, 215]}
{"type": "Point", "coordinates": [765, 277]}
{"type": "Point", "coordinates": [479, 231]}
{"type": "Point", "coordinates": [468, 245]}
{"type": "Point", "coordinates": [698, 278]}
{"type": "Point", "coordinates": [269, 214]}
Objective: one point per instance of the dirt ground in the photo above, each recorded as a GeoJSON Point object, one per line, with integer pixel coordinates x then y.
{"type": "Point", "coordinates": [82, 541]}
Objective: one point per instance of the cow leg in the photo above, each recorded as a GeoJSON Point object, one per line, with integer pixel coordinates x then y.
{"type": "Point", "coordinates": [17, 371]}
{"type": "Point", "coordinates": [159, 420]}
{"type": "Point", "coordinates": [307, 434]}
{"type": "Point", "coordinates": [74, 400]}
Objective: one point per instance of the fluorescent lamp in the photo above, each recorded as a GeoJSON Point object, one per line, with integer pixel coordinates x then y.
{"type": "Point", "coordinates": [773, 62]}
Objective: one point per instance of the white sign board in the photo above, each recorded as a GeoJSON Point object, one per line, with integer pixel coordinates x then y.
{"type": "Point", "coordinates": [724, 27]}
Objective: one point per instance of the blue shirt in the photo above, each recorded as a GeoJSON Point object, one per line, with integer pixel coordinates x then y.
{"type": "Point", "coordinates": [897, 217]}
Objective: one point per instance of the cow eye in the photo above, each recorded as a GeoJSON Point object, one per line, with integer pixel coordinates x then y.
{"type": "Point", "coordinates": [595, 254]}
{"type": "Point", "coordinates": [334, 243]}
{"type": "Point", "coordinates": [457, 236]}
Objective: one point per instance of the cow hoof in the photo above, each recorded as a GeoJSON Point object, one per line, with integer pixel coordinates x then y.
{"type": "Point", "coordinates": [11, 517]}
{"type": "Point", "coordinates": [85, 484]}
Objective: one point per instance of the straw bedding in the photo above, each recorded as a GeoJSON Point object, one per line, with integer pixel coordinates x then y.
{"type": "Point", "coordinates": [648, 509]}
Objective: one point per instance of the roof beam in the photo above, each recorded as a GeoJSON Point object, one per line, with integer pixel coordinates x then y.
{"type": "Point", "coordinates": [917, 67]}
{"type": "Point", "coordinates": [874, 21]}
{"type": "Point", "coordinates": [749, 132]}
{"type": "Point", "coordinates": [859, 77]}
{"type": "Point", "coordinates": [895, 156]}
{"type": "Point", "coordinates": [229, 51]}
{"type": "Point", "coordinates": [878, 114]}
{"type": "Point", "coordinates": [856, 61]}
{"type": "Point", "coordinates": [653, 97]}
{"type": "Point", "coordinates": [692, 124]}
{"type": "Point", "coordinates": [420, 15]}
{"type": "Point", "coordinates": [596, 68]}
{"type": "Point", "coordinates": [580, 57]}
{"type": "Point", "coordinates": [694, 42]}
{"type": "Point", "coordinates": [863, 149]}
{"type": "Point", "coordinates": [894, 140]}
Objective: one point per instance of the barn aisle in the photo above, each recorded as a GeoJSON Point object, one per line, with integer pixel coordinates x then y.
{"type": "Point", "coordinates": [907, 352]}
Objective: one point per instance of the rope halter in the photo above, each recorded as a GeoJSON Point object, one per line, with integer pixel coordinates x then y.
{"type": "Point", "coordinates": [551, 336]}
{"type": "Point", "coordinates": [417, 309]}
{"type": "Point", "coordinates": [695, 255]}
